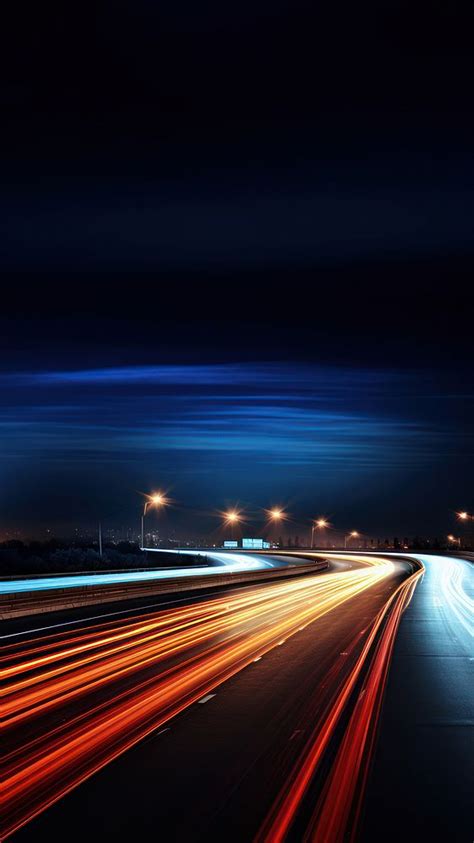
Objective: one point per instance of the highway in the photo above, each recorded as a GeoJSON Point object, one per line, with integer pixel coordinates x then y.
{"type": "Point", "coordinates": [232, 705]}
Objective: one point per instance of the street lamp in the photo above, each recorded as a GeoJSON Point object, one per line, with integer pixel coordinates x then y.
{"type": "Point", "coordinates": [454, 540]}
{"type": "Point", "coordinates": [158, 500]}
{"type": "Point", "coordinates": [353, 535]}
{"type": "Point", "coordinates": [230, 518]}
{"type": "Point", "coordinates": [465, 517]}
{"type": "Point", "coordinates": [275, 515]}
{"type": "Point", "coordinates": [319, 524]}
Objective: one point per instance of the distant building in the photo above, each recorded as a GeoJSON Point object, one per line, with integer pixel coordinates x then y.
{"type": "Point", "coordinates": [248, 544]}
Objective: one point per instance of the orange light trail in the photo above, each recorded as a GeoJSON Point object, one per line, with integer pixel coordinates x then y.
{"type": "Point", "coordinates": [341, 802]}
{"type": "Point", "coordinates": [73, 701]}
{"type": "Point", "coordinates": [346, 783]}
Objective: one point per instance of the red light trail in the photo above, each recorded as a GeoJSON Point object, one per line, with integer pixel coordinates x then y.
{"type": "Point", "coordinates": [73, 701]}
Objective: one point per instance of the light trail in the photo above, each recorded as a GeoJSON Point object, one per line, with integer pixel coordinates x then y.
{"type": "Point", "coordinates": [338, 809]}
{"type": "Point", "coordinates": [119, 680]}
{"type": "Point", "coordinates": [75, 700]}
{"type": "Point", "coordinates": [360, 732]}
{"type": "Point", "coordinates": [233, 563]}
{"type": "Point", "coordinates": [335, 816]}
{"type": "Point", "coordinates": [451, 577]}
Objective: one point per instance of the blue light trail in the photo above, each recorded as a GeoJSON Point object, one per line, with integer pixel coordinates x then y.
{"type": "Point", "coordinates": [232, 562]}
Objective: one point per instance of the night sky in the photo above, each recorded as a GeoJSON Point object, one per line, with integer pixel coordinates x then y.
{"type": "Point", "coordinates": [237, 247]}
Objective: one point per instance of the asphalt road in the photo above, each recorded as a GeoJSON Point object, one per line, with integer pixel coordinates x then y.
{"type": "Point", "coordinates": [226, 762]}
{"type": "Point", "coordinates": [424, 762]}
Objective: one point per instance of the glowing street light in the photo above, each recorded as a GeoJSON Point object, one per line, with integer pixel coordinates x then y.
{"type": "Point", "coordinates": [276, 514]}
{"type": "Point", "coordinates": [157, 500]}
{"type": "Point", "coordinates": [319, 524]}
{"type": "Point", "coordinates": [464, 517]}
{"type": "Point", "coordinates": [353, 535]}
{"type": "Point", "coordinates": [454, 540]}
{"type": "Point", "coordinates": [231, 518]}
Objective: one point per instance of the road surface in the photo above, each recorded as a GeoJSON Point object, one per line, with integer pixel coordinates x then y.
{"type": "Point", "coordinates": [224, 717]}
{"type": "Point", "coordinates": [425, 754]}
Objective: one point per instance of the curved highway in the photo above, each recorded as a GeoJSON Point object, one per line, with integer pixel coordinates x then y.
{"type": "Point", "coordinates": [247, 714]}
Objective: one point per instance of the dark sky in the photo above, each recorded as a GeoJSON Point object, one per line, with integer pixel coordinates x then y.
{"type": "Point", "coordinates": [238, 262]}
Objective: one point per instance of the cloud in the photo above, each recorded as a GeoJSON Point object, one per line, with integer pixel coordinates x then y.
{"type": "Point", "coordinates": [284, 414]}
{"type": "Point", "coordinates": [226, 374]}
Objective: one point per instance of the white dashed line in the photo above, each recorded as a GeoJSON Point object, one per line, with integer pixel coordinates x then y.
{"type": "Point", "coordinates": [206, 699]}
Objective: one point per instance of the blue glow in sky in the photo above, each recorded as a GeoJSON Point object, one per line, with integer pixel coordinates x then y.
{"type": "Point", "coordinates": [321, 436]}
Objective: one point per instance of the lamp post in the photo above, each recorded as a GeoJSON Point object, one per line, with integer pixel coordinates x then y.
{"type": "Point", "coordinates": [275, 515]}
{"type": "Point", "coordinates": [157, 500]}
{"type": "Point", "coordinates": [318, 524]}
{"type": "Point", "coordinates": [353, 535]}
{"type": "Point", "coordinates": [230, 519]}
{"type": "Point", "coordinates": [464, 518]}
{"type": "Point", "coordinates": [454, 540]}
{"type": "Point", "coordinates": [100, 539]}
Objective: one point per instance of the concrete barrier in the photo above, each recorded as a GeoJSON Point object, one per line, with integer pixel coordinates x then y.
{"type": "Point", "coordinates": [24, 603]}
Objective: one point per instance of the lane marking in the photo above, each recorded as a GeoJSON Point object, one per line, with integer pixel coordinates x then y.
{"type": "Point", "coordinates": [206, 699]}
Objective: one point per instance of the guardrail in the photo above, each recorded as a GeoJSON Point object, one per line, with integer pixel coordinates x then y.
{"type": "Point", "coordinates": [24, 603]}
